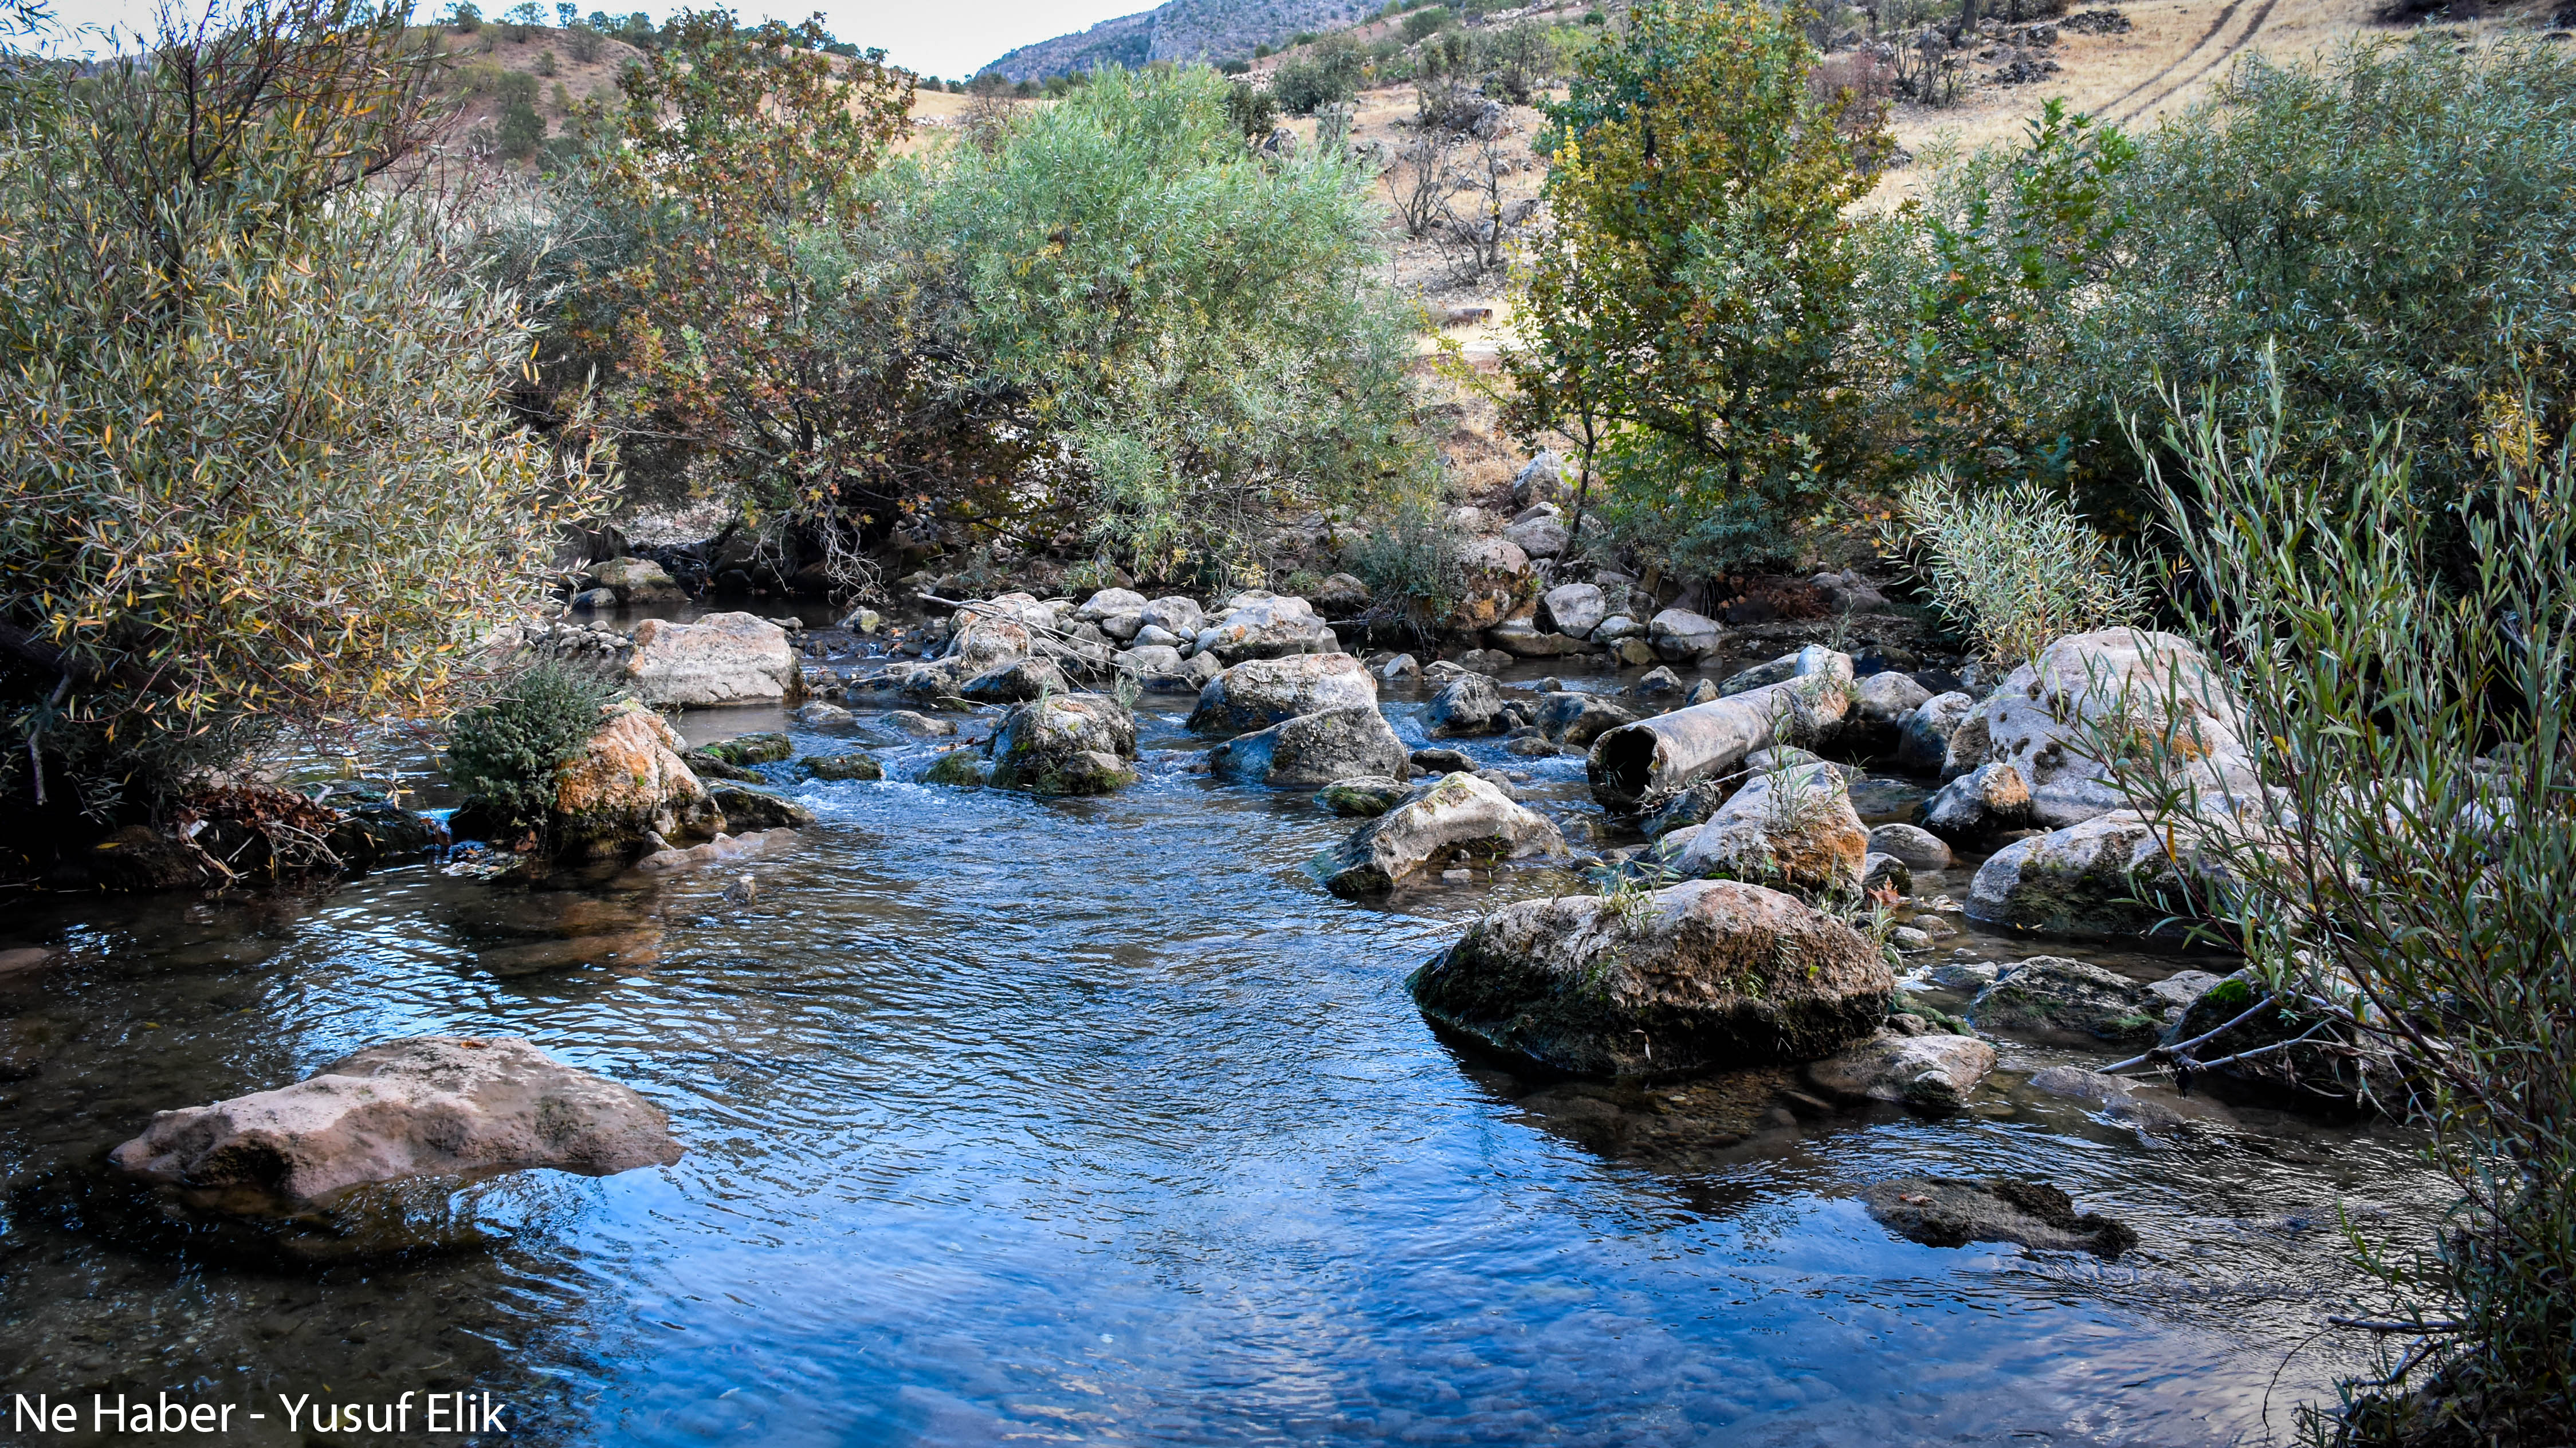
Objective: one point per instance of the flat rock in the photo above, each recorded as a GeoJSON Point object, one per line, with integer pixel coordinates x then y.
{"type": "Point", "coordinates": [1918, 848]}
{"type": "Point", "coordinates": [722, 658]}
{"type": "Point", "coordinates": [1950, 1212]}
{"type": "Point", "coordinates": [431, 1105]}
{"type": "Point", "coordinates": [1927, 1072]}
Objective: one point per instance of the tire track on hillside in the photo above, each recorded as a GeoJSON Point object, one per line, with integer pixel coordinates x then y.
{"type": "Point", "coordinates": [2253, 27]}
{"type": "Point", "coordinates": [2225, 14]}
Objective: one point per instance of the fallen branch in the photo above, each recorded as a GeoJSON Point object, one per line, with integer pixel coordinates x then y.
{"type": "Point", "coordinates": [2384, 1325]}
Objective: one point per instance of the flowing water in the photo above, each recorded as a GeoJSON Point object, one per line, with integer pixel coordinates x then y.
{"type": "Point", "coordinates": [1098, 1121]}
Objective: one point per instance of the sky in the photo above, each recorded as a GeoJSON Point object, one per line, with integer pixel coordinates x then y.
{"type": "Point", "coordinates": [948, 38]}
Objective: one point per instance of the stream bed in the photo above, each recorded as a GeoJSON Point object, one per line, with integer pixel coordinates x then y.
{"type": "Point", "coordinates": [1100, 1121]}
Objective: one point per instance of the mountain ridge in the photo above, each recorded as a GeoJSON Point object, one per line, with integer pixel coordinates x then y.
{"type": "Point", "coordinates": [1177, 30]}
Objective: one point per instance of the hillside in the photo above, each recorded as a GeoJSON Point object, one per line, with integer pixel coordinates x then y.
{"type": "Point", "coordinates": [1179, 30]}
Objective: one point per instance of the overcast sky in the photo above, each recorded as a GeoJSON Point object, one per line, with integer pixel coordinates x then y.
{"type": "Point", "coordinates": [935, 37]}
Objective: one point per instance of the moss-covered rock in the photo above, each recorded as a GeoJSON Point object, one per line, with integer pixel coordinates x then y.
{"type": "Point", "coordinates": [2050, 994]}
{"type": "Point", "coordinates": [1039, 745]}
{"type": "Point", "coordinates": [957, 767]}
{"type": "Point", "coordinates": [1704, 976]}
{"type": "Point", "coordinates": [1365, 797]}
{"type": "Point", "coordinates": [853, 765]}
{"type": "Point", "coordinates": [746, 810]}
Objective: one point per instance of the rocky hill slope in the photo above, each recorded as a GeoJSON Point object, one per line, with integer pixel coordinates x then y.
{"type": "Point", "coordinates": [1180, 30]}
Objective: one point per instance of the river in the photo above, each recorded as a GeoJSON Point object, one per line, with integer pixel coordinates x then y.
{"type": "Point", "coordinates": [1099, 1121]}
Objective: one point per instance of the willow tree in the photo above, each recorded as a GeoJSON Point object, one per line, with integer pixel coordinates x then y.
{"type": "Point", "coordinates": [252, 470]}
{"type": "Point", "coordinates": [1690, 300]}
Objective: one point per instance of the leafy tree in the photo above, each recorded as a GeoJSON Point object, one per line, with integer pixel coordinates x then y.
{"type": "Point", "coordinates": [253, 475]}
{"type": "Point", "coordinates": [1977, 300]}
{"type": "Point", "coordinates": [1327, 74]}
{"type": "Point", "coordinates": [1202, 333]}
{"type": "Point", "coordinates": [2386, 227]}
{"type": "Point", "coordinates": [1690, 302]}
{"type": "Point", "coordinates": [727, 145]}
{"type": "Point", "coordinates": [521, 130]}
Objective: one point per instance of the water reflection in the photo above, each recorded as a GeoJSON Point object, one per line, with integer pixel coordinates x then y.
{"type": "Point", "coordinates": [1098, 1119]}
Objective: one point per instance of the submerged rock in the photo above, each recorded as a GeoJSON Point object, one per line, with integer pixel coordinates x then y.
{"type": "Point", "coordinates": [1362, 796]}
{"type": "Point", "coordinates": [961, 767]}
{"type": "Point", "coordinates": [1258, 693]}
{"type": "Point", "coordinates": [768, 748]}
{"type": "Point", "coordinates": [1702, 976]}
{"type": "Point", "coordinates": [2049, 993]}
{"type": "Point", "coordinates": [1931, 1073]}
{"type": "Point", "coordinates": [1313, 749]}
{"type": "Point", "coordinates": [719, 850]}
{"type": "Point", "coordinates": [853, 765]}
{"type": "Point", "coordinates": [428, 1105]}
{"type": "Point", "coordinates": [1949, 1212]}
{"type": "Point", "coordinates": [1461, 815]}
{"type": "Point", "coordinates": [722, 658]}
{"type": "Point", "coordinates": [755, 809]}
{"type": "Point", "coordinates": [1067, 744]}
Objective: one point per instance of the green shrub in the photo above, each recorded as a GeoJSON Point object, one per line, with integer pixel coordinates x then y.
{"type": "Point", "coordinates": [253, 473]}
{"type": "Point", "coordinates": [521, 129]}
{"type": "Point", "coordinates": [2015, 568]}
{"type": "Point", "coordinates": [503, 752]}
{"type": "Point", "coordinates": [1328, 74]}
{"type": "Point", "coordinates": [1410, 558]}
{"type": "Point", "coordinates": [1425, 22]}
{"type": "Point", "coordinates": [1253, 111]}
{"type": "Point", "coordinates": [2392, 219]}
{"type": "Point", "coordinates": [2405, 877]}
{"type": "Point", "coordinates": [1692, 300]}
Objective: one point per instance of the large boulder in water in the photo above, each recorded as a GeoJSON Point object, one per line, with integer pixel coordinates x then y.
{"type": "Point", "coordinates": [1064, 744]}
{"type": "Point", "coordinates": [1791, 828]}
{"type": "Point", "coordinates": [723, 658]}
{"type": "Point", "coordinates": [432, 1105]}
{"type": "Point", "coordinates": [627, 780]}
{"type": "Point", "coordinates": [2328, 1068]}
{"type": "Point", "coordinates": [2112, 875]}
{"type": "Point", "coordinates": [2122, 692]}
{"type": "Point", "coordinates": [1461, 815]}
{"type": "Point", "coordinates": [1467, 704]}
{"type": "Point", "coordinates": [1314, 749]}
{"type": "Point", "coordinates": [1266, 626]}
{"type": "Point", "coordinates": [1575, 718]}
{"type": "Point", "coordinates": [1016, 682]}
{"type": "Point", "coordinates": [1984, 802]}
{"type": "Point", "coordinates": [1703, 976]}
{"type": "Point", "coordinates": [1258, 693]}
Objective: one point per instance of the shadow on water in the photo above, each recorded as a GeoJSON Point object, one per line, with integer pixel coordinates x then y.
{"type": "Point", "coordinates": [1098, 1120]}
